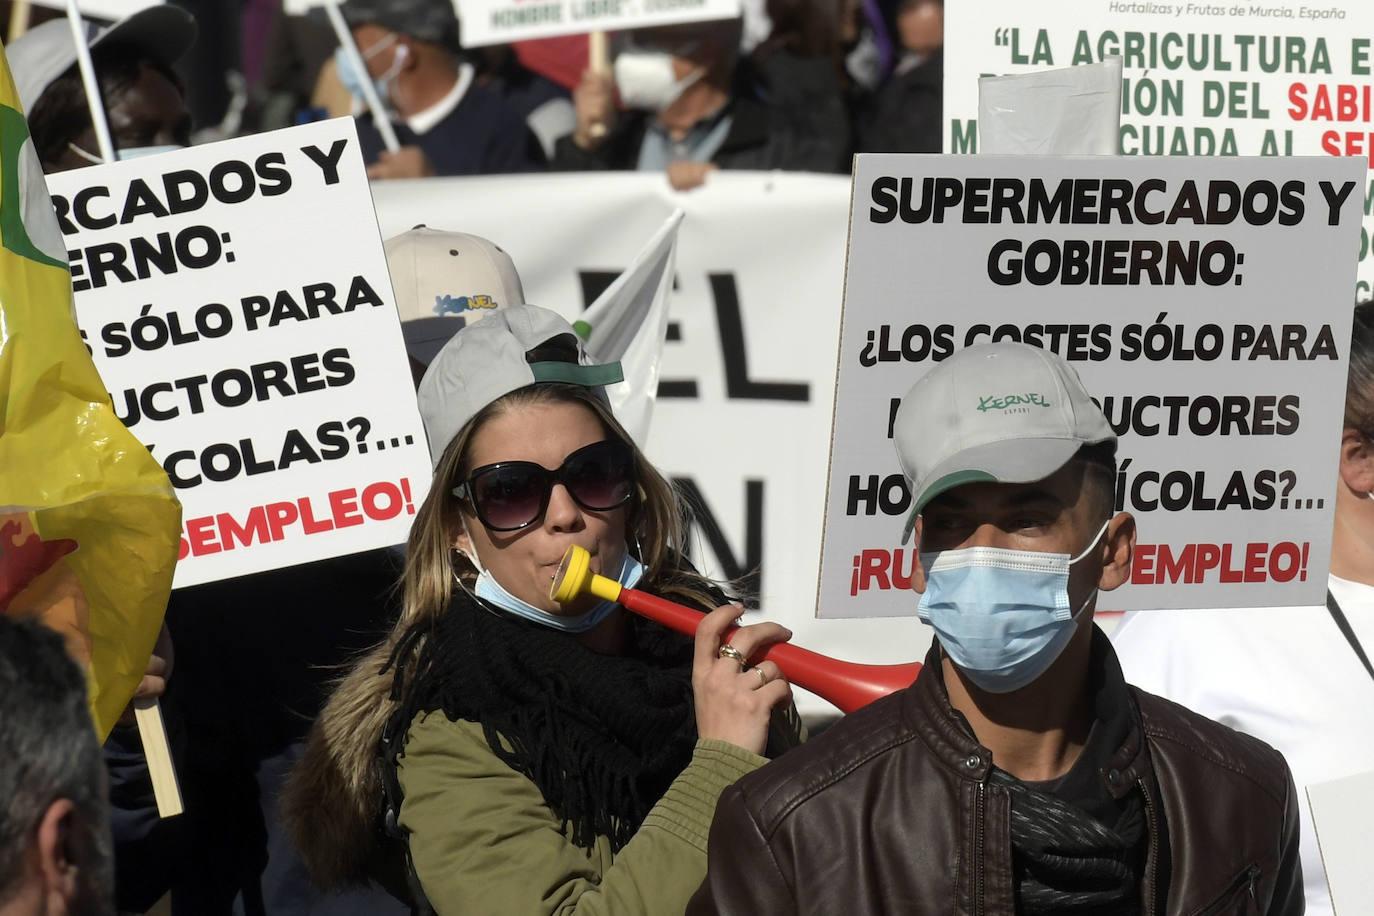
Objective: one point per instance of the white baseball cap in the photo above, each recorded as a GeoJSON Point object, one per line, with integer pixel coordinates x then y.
{"type": "Point", "coordinates": [444, 281]}
{"type": "Point", "coordinates": [511, 349]}
{"type": "Point", "coordinates": [996, 412]}
{"type": "Point", "coordinates": [45, 52]}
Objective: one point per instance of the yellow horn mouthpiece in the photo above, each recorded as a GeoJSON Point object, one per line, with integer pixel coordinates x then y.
{"type": "Point", "coordinates": [575, 576]}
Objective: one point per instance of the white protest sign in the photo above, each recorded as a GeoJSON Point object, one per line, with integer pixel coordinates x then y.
{"type": "Point", "coordinates": [1342, 811]}
{"type": "Point", "coordinates": [1282, 78]}
{"type": "Point", "coordinates": [236, 301]}
{"type": "Point", "coordinates": [102, 9]}
{"type": "Point", "coordinates": [1204, 302]}
{"type": "Point", "coordinates": [489, 22]}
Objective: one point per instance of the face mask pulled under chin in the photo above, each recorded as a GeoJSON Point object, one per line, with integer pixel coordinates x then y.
{"type": "Point", "coordinates": [493, 593]}
{"type": "Point", "coordinates": [646, 79]}
{"type": "Point", "coordinates": [1002, 616]}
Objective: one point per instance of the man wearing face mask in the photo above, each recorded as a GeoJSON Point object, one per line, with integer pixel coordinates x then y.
{"type": "Point", "coordinates": [145, 101]}
{"type": "Point", "coordinates": [692, 105]}
{"type": "Point", "coordinates": [446, 125]}
{"type": "Point", "coordinates": [1019, 773]}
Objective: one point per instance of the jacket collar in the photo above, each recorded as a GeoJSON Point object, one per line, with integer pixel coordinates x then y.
{"type": "Point", "coordinates": [927, 710]}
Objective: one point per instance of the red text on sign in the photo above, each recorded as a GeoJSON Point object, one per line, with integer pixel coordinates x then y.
{"type": "Point", "coordinates": [276, 521]}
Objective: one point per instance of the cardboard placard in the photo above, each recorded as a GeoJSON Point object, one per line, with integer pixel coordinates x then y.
{"type": "Point", "coordinates": [236, 301]}
{"type": "Point", "coordinates": [1204, 302]}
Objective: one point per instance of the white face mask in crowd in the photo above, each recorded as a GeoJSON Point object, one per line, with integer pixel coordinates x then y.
{"type": "Point", "coordinates": [646, 79]}
{"type": "Point", "coordinates": [1002, 616]}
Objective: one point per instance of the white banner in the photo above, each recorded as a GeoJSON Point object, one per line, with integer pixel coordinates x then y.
{"type": "Point", "coordinates": [236, 301]}
{"type": "Point", "coordinates": [1203, 79]}
{"type": "Point", "coordinates": [1204, 303]}
{"type": "Point", "coordinates": [742, 419]}
{"type": "Point", "coordinates": [490, 22]}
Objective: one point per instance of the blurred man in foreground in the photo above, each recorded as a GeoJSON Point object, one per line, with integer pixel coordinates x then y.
{"type": "Point", "coordinates": [54, 821]}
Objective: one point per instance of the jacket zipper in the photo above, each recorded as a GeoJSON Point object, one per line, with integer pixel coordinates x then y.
{"type": "Point", "coordinates": [978, 853]}
{"type": "Point", "coordinates": [1153, 861]}
{"type": "Point", "coordinates": [1244, 881]}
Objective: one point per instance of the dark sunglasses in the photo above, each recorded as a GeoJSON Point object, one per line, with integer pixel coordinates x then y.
{"type": "Point", "coordinates": [511, 495]}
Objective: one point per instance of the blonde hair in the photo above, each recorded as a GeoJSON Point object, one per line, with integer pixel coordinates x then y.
{"type": "Point", "coordinates": [339, 778]}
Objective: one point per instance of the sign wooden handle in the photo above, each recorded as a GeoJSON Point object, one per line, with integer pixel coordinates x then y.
{"type": "Point", "coordinates": [159, 756]}
{"type": "Point", "coordinates": [598, 53]}
{"type": "Point", "coordinates": [19, 20]}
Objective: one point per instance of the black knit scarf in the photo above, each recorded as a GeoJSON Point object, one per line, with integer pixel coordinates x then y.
{"type": "Point", "coordinates": [601, 736]}
{"type": "Point", "coordinates": [1075, 848]}
{"type": "Point", "coordinates": [1067, 861]}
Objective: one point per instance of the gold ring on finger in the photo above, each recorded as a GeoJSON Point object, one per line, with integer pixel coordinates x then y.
{"type": "Point", "coordinates": [728, 651]}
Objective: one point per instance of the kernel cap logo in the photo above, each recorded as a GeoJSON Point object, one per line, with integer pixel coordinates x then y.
{"type": "Point", "coordinates": [27, 225]}
{"type": "Point", "coordinates": [1021, 403]}
{"type": "Point", "coordinates": [450, 305]}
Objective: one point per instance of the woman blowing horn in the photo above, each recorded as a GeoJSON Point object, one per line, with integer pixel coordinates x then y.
{"type": "Point", "coordinates": [528, 757]}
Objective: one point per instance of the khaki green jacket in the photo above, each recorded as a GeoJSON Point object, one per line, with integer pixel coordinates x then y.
{"type": "Point", "coordinates": [484, 842]}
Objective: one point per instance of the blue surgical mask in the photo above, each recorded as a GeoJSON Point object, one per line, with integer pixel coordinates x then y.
{"type": "Point", "coordinates": [1002, 616]}
{"type": "Point", "coordinates": [491, 591]}
{"type": "Point", "coordinates": [353, 80]}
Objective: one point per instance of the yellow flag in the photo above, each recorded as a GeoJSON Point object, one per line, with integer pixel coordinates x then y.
{"type": "Point", "coordinates": [89, 523]}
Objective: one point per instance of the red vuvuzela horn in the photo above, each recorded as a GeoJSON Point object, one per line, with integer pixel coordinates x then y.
{"type": "Point", "coordinates": [846, 684]}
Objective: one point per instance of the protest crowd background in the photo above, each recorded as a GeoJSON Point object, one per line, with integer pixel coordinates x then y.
{"type": "Point", "coordinates": [818, 82]}
{"type": "Point", "coordinates": [244, 666]}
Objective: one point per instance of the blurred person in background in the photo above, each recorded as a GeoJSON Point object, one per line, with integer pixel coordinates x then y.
{"type": "Point", "coordinates": [294, 53]}
{"type": "Point", "coordinates": [806, 29]}
{"type": "Point", "coordinates": [54, 822]}
{"type": "Point", "coordinates": [446, 124]}
{"type": "Point", "coordinates": [546, 106]}
{"type": "Point", "coordinates": [693, 104]}
{"type": "Point", "coordinates": [904, 114]}
{"type": "Point", "coordinates": [145, 101]}
{"type": "Point", "coordinates": [1298, 678]}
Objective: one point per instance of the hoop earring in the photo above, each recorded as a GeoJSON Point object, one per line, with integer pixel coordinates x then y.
{"type": "Point", "coordinates": [453, 571]}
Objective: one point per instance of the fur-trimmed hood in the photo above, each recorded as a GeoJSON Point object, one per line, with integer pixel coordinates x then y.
{"type": "Point", "coordinates": [332, 805]}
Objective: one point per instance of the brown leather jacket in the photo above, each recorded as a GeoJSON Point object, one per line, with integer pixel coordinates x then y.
{"type": "Point", "coordinates": [891, 811]}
